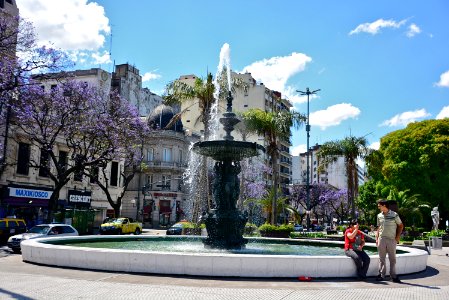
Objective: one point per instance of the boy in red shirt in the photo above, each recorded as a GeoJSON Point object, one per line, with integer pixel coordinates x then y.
{"type": "Point", "coordinates": [354, 242]}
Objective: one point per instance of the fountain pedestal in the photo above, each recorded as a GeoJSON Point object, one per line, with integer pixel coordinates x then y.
{"type": "Point", "coordinates": [225, 224]}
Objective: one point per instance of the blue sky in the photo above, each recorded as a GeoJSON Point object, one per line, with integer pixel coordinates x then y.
{"type": "Point", "coordinates": [379, 64]}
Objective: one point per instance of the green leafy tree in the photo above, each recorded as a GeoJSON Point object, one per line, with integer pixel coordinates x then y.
{"type": "Point", "coordinates": [416, 158]}
{"type": "Point", "coordinates": [366, 200]}
{"type": "Point", "coordinates": [274, 126]}
{"type": "Point", "coordinates": [351, 148]}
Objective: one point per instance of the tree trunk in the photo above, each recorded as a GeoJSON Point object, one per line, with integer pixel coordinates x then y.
{"type": "Point", "coordinates": [275, 191]}
{"type": "Point", "coordinates": [350, 174]}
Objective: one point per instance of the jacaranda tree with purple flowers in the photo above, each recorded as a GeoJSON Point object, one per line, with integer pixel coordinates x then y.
{"type": "Point", "coordinates": [120, 136]}
{"type": "Point", "coordinates": [19, 58]}
{"type": "Point", "coordinates": [89, 125]}
{"type": "Point", "coordinates": [326, 201]}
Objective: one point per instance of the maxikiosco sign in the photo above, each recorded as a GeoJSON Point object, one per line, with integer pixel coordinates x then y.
{"type": "Point", "coordinates": [29, 193]}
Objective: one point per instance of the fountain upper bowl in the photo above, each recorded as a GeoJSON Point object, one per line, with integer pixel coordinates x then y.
{"type": "Point", "coordinates": [222, 150]}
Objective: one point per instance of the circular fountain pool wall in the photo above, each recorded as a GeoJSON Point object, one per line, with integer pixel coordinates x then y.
{"type": "Point", "coordinates": [62, 252]}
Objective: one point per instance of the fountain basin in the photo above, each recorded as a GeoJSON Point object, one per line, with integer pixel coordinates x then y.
{"type": "Point", "coordinates": [206, 264]}
{"type": "Point", "coordinates": [227, 150]}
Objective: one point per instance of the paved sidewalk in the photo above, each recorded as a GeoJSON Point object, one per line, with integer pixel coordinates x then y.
{"type": "Point", "coordinates": [19, 280]}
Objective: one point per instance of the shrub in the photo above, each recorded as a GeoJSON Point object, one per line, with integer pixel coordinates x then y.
{"type": "Point", "coordinates": [342, 228]}
{"type": "Point", "coordinates": [295, 234]}
{"type": "Point", "coordinates": [275, 231]}
{"type": "Point", "coordinates": [437, 232]}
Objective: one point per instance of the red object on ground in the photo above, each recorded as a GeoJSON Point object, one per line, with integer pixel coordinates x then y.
{"type": "Point", "coordinates": [304, 278]}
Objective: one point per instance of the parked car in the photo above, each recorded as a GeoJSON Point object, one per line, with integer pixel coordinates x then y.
{"type": "Point", "coordinates": [121, 226]}
{"type": "Point", "coordinates": [298, 227]}
{"type": "Point", "coordinates": [11, 226]}
{"type": "Point", "coordinates": [38, 231]}
{"type": "Point", "coordinates": [175, 229]}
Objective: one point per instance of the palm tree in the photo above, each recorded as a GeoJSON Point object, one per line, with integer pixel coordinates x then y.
{"type": "Point", "coordinates": [201, 93]}
{"type": "Point", "coordinates": [351, 148]}
{"type": "Point", "coordinates": [267, 202]}
{"type": "Point", "coordinates": [410, 207]}
{"type": "Point", "coordinates": [275, 127]}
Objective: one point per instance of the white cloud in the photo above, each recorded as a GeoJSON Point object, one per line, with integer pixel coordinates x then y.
{"type": "Point", "coordinates": [150, 76]}
{"type": "Point", "coordinates": [375, 145]}
{"type": "Point", "coordinates": [101, 58]}
{"type": "Point", "coordinates": [444, 113]}
{"type": "Point", "coordinates": [274, 73]}
{"type": "Point", "coordinates": [444, 80]}
{"type": "Point", "coordinates": [70, 25]}
{"type": "Point", "coordinates": [375, 27]}
{"type": "Point", "coordinates": [406, 117]}
{"type": "Point", "coordinates": [333, 115]}
{"type": "Point", "coordinates": [413, 30]}
{"type": "Point", "coordinates": [296, 150]}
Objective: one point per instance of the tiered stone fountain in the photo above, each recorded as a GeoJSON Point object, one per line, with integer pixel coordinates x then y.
{"type": "Point", "coordinates": [225, 224]}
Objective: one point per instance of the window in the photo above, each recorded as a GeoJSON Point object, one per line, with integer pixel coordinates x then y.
{"type": "Point", "coordinates": [149, 181]}
{"type": "Point", "coordinates": [78, 176]}
{"type": "Point", "coordinates": [53, 87]}
{"type": "Point", "coordinates": [67, 229]}
{"type": "Point", "coordinates": [181, 156]}
{"type": "Point", "coordinates": [63, 159]}
{"type": "Point", "coordinates": [44, 164]}
{"type": "Point", "coordinates": [166, 155]}
{"type": "Point", "coordinates": [166, 182]}
{"type": "Point", "coordinates": [23, 159]}
{"type": "Point", "coordinates": [114, 173]}
{"type": "Point", "coordinates": [150, 154]}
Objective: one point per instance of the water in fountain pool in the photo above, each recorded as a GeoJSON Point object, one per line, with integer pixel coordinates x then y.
{"type": "Point", "coordinates": [195, 245]}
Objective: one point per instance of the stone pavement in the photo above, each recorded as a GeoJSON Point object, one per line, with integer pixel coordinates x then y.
{"type": "Point", "coordinates": [19, 280]}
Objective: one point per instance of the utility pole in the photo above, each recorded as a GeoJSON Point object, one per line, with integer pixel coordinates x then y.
{"type": "Point", "coordinates": [308, 93]}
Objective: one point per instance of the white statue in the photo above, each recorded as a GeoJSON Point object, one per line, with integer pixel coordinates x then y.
{"type": "Point", "coordinates": [435, 214]}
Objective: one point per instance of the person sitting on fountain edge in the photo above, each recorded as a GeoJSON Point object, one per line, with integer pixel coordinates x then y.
{"type": "Point", "coordinates": [354, 242]}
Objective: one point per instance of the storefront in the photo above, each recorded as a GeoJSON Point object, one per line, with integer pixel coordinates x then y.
{"type": "Point", "coordinates": [26, 202]}
{"type": "Point", "coordinates": [78, 211]}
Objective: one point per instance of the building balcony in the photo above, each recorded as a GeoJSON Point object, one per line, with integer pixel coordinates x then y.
{"type": "Point", "coordinates": [171, 165]}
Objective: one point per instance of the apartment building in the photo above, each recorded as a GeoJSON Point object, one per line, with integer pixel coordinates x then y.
{"type": "Point", "coordinates": [128, 81]}
{"type": "Point", "coordinates": [334, 174]}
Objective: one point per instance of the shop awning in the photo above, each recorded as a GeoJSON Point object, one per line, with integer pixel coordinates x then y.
{"type": "Point", "coordinates": [17, 201]}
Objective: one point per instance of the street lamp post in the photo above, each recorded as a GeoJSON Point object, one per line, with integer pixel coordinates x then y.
{"type": "Point", "coordinates": [308, 93]}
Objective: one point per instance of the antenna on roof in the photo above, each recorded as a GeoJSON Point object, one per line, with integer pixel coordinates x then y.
{"type": "Point", "coordinates": [110, 50]}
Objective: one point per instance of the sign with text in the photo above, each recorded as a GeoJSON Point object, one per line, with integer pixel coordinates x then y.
{"type": "Point", "coordinates": [29, 193]}
{"type": "Point", "coordinates": [79, 198]}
